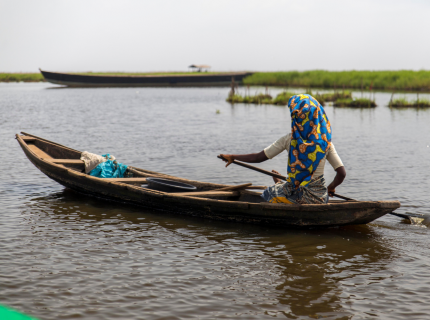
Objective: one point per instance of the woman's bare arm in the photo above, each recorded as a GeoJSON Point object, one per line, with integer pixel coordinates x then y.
{"type": "Point", "coordinates": [338, 179]}
{"type": "Point", "coordinates": [250, 158]}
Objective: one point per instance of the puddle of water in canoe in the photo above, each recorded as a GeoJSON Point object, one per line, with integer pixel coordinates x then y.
{"type": "Point", "coordinates": [65, 255]}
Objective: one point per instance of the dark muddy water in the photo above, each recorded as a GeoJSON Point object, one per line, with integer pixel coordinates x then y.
{"type": "Point", "coordinates": [69, 256]}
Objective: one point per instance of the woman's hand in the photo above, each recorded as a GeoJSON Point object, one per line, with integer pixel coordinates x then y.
{"type": "Point", "coordinates": [229, 158]}
{"type": "Point", "coordinates": [331, 190]}
{"type": "Point", "coordinates": [276, 180]}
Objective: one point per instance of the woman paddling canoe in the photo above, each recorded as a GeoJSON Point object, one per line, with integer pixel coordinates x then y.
{"type": "Point", "coordinates": [309, 146]}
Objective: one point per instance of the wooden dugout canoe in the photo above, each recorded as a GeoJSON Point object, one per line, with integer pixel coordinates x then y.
{"type": "Point", "coordinates": [173, 80]}
{"type": "Point", "coordinates": [63, 165]}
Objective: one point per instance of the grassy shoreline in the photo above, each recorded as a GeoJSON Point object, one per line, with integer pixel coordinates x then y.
{"type": "Point", "coordinates": [37, 77]}
{"type": "Point", "coordinates": [401, 80]}
{"type": "Point", "coordinates": [21, 77]}
{"type": "Point", "coordinates": [404, 80]}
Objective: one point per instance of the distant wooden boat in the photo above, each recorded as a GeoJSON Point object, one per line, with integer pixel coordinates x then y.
{"type": "Point", "coordinates": [232, 203]}
{"type": "Point", "coordinates": [195, 79]}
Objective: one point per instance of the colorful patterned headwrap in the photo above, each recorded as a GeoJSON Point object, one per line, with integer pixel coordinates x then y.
{"type": "Point", "coordinates": [310, 138]}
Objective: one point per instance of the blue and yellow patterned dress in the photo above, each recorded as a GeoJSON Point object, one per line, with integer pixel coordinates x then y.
{"type": "Point", "coordinates": [310, 140]}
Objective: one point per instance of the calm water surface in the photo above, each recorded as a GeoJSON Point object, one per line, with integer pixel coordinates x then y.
{"type": "Point", "coordinates": [69, 256]}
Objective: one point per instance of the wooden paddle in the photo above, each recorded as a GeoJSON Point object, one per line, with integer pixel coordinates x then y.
{"type": "Point", "coordinates": [275, 175]}
{"type": "Point", "coordinates": [401, 215]}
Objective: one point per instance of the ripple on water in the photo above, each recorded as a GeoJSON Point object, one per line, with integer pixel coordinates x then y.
{"type": "Point", "coordinates": [65, 255]}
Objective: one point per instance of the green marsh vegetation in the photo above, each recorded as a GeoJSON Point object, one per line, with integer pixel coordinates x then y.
{"type": "Point", "coordinates": [258, 98]}
{"type": "Point", "coordinates": [404, 80]}
{"type": "Point", "coordinates": [18, 77]}
{"type": "Point", "coordinates": [355, 103]}
{"type": "Point", "coordinates": [282, 98]}
{"type": "Point", "coordinates": [331, 96]}
{"type": "Point", "coordinates": [403, 102]}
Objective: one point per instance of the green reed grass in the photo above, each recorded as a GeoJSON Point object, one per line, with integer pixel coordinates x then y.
{"type": "Point", "coordinates": [282, 98]}
{"type": "Point", "coordinates": [260, 98]}
{"type": "Point", "coordinates": [381, 80]}
{"type": "Point", "coordinates": [24, 77]}
{"type": "Point", "coordinates": [332, 96]}
{"type": "Point", "coordinates": [405, 103]}
{"type": "Point", "coordinates": [256, 99]}
{"type": "Point", "coordinates": [355, 103]}
{"type": "Point", "coordinates": [341, 99]}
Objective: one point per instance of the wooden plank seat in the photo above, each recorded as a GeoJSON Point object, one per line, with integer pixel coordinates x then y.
{"type": "Point", "coordinates": [67, 161]}
{"type": "Point", "coordinates": [127, 180]}
{"type": "Point", "coordinates": [38, 152]}
{"type": "Point", "coordinates": [223, 192]}
{"type": "Point", "coordinates": [28, 138]}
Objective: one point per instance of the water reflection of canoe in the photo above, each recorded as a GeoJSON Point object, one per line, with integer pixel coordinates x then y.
{"type": "Point", "coordinates": [172, 80]}
{"type": "Point", "coordinates": [63, 165]}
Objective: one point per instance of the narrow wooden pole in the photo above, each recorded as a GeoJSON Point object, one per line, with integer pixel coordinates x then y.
{"type": "Point", "coordinates": [231, 93]}
{"type": "Point", "coordinates": [391, 100]}
{"type": "Point", "coordinates": [241, 186]}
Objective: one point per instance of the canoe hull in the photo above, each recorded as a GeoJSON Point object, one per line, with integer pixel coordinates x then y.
{"type": "Point", "coordinates": [337, 214]}
{"type": "Point", "coordinates": [194, 80]}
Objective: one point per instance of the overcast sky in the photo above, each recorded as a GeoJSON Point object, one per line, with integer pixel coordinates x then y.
{"type": "Point", "coordinates": [163, 35]}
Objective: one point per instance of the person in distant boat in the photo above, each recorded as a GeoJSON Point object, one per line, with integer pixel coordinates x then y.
{"type": "Point", "coordinates": [309, 146]}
